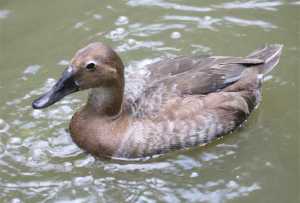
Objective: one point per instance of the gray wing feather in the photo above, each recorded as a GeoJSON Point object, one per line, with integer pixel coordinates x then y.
{"type": "Point", "coordinates": [192, 75]}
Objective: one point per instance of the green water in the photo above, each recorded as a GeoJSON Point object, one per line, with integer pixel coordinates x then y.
{"type": "Point", "coordinates": [40, 163]}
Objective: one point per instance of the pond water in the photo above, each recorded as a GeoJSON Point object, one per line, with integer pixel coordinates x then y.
{"type": "Point", "coordinates": [40, 163]}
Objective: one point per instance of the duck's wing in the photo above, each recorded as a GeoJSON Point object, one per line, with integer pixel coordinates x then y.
{"type": "Point", "coordinates": [198, 75]}
{"type": "Point", "coordinates": [186, 76]}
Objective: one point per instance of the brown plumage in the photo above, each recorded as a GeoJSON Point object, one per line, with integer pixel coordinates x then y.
{"type": "Point", "coordinates": [181, 102]}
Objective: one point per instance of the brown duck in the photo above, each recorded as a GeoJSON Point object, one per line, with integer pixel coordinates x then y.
{"type": "Point", "coordinates": [181, 102]}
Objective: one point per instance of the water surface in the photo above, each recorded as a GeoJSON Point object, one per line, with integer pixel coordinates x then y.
{"type": "Point", "coordinates": [40, 163]}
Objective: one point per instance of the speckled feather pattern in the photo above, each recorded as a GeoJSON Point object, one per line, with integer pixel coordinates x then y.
{"type": "Point", "coordinates": [184, 122]}
{"type": "Point", "coordinates": [173, 120]}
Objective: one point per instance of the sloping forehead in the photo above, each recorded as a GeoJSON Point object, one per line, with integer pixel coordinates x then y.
{"type": "Point", "coordinates": [89, 49]}
{"type": "Point", "coordinates": [94, 51]}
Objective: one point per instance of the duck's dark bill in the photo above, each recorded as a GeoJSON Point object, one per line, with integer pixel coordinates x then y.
{"type": "Point", "coordinates": [64, 86]}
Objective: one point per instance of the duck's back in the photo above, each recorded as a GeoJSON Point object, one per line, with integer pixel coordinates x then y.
{"type": "Point", "coordinates": [190, 101]}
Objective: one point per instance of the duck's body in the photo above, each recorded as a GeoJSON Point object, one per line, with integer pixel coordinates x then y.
{"type": "Point", "coordinates": [185, 101]}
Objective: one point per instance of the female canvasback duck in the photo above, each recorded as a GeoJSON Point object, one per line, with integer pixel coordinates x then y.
{"type": "Point", "coordinates": [185, 101]}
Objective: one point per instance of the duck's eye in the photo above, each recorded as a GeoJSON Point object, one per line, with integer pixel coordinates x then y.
{"type": "Point", "coordinates": [91, 66]}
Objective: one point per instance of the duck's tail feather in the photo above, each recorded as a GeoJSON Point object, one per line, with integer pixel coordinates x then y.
{"type": "Point", "coordinates": [270, 54]}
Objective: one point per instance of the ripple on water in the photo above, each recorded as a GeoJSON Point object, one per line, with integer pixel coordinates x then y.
{"type": "Point", "coordinates": [209, 192]}
{"type": "Point", "coordinates": [252, 4]}
{"type": "Point", "coordinates": [295, 3]}
{"type": "Point", "coordinates": [246, 23]}
{"type": "Point", "coordinates": [135, 45]}
{"type": "Point", "coordinates": [85, 162]}
{"type": "Point", "coordinates": [81, 25]}
{"type": "Point", "coordinates": [83, 181]}
{"type": "Point", "coordinates": [144, 30]}
{"type": "Point", "coordinates": [175, 35]}
{"type": "Point", "coordinates": [194, 175]}
{"type": "Point", "coordinates": [4, 126]}
{"type": "Point", "coordinates": [117, 34]}
{"type": "Point", "coordinates": [16, 200]}
{"type": "Point", "coordinates": [168, 5]}
{"type": "Point", "coordinates": [97, 16]}
{"type": "Point", "coordinates": [38, 155]}
{"type": "Point", "coordinates": [64, 151]}
{"type": "Point", "coordinates": [187, 163]}
{"type": "Point", "coordinates": [63, 62]}
{"type": "Point", "coordinates": [54, 116]}
{"type": "Point", "coordinates": [45, 87]}
{"type": "Point", "coordinates": [15, 141]}
{"type": "Point", "coordinates": [122, 20]}
{"type": "Point", "coordinates": [4, 14]}
{"type": "Point", "coordinates": [143, 167]}
{"type": "Point", "coordinates": [17, 103]}
{"type": "Point", "coordinates": [30, 70]}
{"type": "Point", "coordinates": [206, 22]}
{"type": "Point", "coordinates": [199, 49]}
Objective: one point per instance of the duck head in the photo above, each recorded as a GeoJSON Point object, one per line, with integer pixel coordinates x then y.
{"type": "Point", "coordinates": [94, 66]}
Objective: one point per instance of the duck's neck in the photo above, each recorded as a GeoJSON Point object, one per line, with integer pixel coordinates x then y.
{"type": "Point", "coordinates": [106, 101]}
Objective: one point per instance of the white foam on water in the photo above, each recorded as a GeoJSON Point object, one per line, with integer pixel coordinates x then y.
{"type": "Point", "coordinates": [4, 126]}
{"type": "Point", "coordinates": [122, 20]}
{"type": "Point", "coordinates": [4, 14]}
